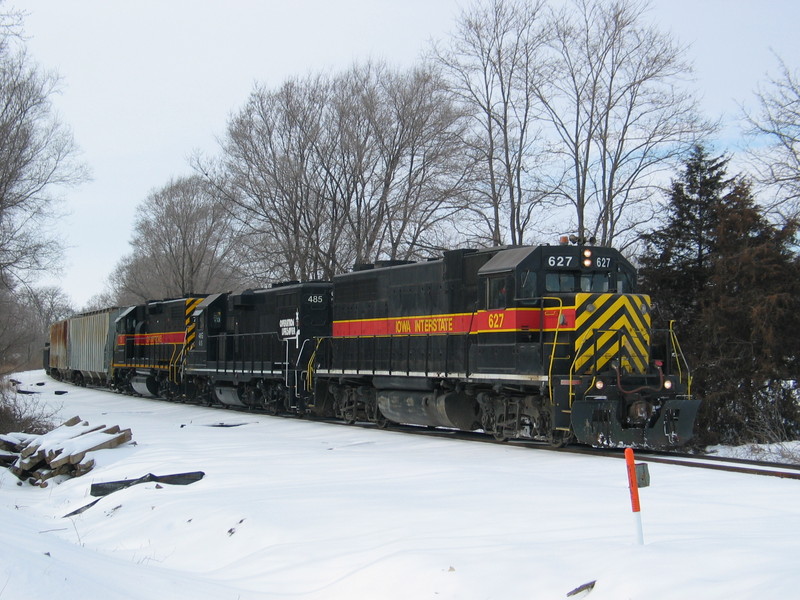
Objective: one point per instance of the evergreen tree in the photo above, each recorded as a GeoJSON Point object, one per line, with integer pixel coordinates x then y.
{"type": "Point", "coordinates": [676, 263]}
{"type": "Point", "coordinates": [731, 281]}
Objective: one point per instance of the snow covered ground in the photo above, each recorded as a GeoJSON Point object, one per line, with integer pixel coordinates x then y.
{"type": "Point", "coordinates": [296, 509]}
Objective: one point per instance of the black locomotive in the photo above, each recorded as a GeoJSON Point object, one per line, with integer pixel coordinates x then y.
{"type": "Point", "coordinates": [252, 349]}
{"type": "Point", "coordinates": [152, 342]}
{"type": "Point", "coordinates": [549, 343]}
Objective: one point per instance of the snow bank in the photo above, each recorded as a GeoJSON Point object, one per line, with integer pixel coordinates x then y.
{"type": "Point", "coordinates": [290, 508]}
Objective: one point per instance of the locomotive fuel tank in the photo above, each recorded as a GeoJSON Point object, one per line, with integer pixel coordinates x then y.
{"type": "Point", "coordinates": [454, 410]}
{"type": "Point", "coordinates": [145, 385]}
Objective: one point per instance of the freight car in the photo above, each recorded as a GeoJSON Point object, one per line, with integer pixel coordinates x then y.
{"type": "Point", "coordinates": [80, 347]}
{"type": "Point", "coordinates": [547, 343]}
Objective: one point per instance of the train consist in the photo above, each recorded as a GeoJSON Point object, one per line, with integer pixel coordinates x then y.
{"type": "Point", "coordinates": [548, 342]}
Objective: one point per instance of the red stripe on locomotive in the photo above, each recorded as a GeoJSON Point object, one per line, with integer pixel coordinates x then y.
{"type": "Point", "coordinates": [520, 319]}
{"type": "Point", "coordinates": [152, 339]}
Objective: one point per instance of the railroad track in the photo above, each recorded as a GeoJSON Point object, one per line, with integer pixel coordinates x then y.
{"type": "Point", "coordinates": [698, 461]}
{"type": "Point", "coordinates": [719, 463]}
{"type": "Point", "coordinates": [715, 463]}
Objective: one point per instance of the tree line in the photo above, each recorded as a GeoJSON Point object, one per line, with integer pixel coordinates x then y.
{"type": "Point", "coordinates": [531, 119]}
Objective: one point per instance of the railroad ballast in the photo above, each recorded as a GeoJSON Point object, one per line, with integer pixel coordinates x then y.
{"type": "Point", "coordinates": [533, 342]}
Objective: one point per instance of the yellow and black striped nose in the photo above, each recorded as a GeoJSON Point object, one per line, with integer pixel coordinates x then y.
{"type": "Point", "coordinates": [612, 327]}
{"type": "Point", "coordinates": [191, 333]}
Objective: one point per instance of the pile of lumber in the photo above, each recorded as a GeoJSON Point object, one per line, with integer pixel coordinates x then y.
{"type": "Point", "coordinates": [62, 451]}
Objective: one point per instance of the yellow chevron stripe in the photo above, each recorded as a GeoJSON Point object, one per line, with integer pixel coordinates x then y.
{"type": "Point", "coordinates": [191, 305]}
{"type": "Point", "coordinates": [606, 350]}
{"type": "Point", "coordinates": [616, 327]}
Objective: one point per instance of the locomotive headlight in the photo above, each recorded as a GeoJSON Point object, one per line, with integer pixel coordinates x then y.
{"type": "Point", "coordinates": [668, 384]}
{"type": "Point", "coordinates": [599, 384]}
{"type": "Point", "coordinates": [587, 257]}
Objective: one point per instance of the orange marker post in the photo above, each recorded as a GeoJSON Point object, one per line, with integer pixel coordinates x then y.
{"type": "Point", "coordinates": [634, 487]}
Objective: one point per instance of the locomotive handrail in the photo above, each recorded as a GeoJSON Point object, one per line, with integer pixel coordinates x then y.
{"type": "Point", "coordinates": [312, 358]}
{"type": "Point", "coordinates": [578, 351]}
{"type": "Point", "coordinates": [560, 307]}
{"type": "Point", "coordinates": [297, 368]}
{"type": "Point", "coordinates": [173, 364]}
{"type": "Point", "coordinates": [230, 352]}
{"type": "Point", "coordinates": [680, 358]}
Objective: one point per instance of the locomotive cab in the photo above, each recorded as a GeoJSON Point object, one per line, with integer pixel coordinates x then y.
{"type": "Point", "coordinates": [568, 317]}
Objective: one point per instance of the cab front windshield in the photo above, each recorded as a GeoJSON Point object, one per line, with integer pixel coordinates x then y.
{"type": "Point", "coordinates": [571, 282]}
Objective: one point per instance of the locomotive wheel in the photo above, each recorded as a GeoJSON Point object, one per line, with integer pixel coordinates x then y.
{"type": "Point", "coordinates": [348, 406]}
{"type": "Point", "coordinates": [559, 438]}
{"type": "Point", "coordinates": [500, 435]}
{"type": "Point", "coordinates": [349, 413]}
{"type": "Point", "coordinates": [273, 404]}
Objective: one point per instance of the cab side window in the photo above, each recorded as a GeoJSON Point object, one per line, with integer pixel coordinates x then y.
{"type": "Point", "coordinates": [625, 283]}
{"type": "Point", "coordinates": [499, 290]}
{"type": "Point", "coordinates": [527, 285]}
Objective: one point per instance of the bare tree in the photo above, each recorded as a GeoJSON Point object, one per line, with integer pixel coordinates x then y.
{"type": "Point", "coordinates": [16, 325]}
{"type": "Point", "coordinates": [777, 165]}
{"type": "Point", "coordinates": [616, 105]}
{"type": "Point", "coordinates": [421, 134]}
{"type": "Point", "coordinates": [272, 185]}
{"type": "Point", "coordinates": [26, 314]}
{"type": "Point", "coordinates": [48, 304]}
{"type": "Point", "coordinates": [329, 171]}
{"type": "Point", "coordinates": [106, 298]}
{"type": "Point", "coordinates": [495, 63]}
{"type": "Point", "coordinates": [183, 242]}
{"type": "Point", "coordinates": [37, 156]}
{"type": "Point", "coordinates": [391, 161]}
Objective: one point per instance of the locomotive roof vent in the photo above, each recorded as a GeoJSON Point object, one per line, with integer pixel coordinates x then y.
{"type": "Point", "coordinates": [380, 264]}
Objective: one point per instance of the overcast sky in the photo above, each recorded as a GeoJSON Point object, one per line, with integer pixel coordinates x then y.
{"type": "Point", "coordinates": [146, 83]}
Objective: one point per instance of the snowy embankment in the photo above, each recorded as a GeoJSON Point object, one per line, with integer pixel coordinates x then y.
{"type": "Point", "coordinates": [296, 509]}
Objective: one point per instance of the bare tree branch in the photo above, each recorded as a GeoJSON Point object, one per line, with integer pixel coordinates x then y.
{"type": "Point", "coordinates": [775, 133]}
{"type": "Point", "coordinates": [183, 242]}
{"type": "Point", "coordinates": [615, 102]}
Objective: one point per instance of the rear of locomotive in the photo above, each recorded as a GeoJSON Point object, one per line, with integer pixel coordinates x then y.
{"type": "Point", "coordinates": [612, 379]}
{"type": "Point", "coordinates": [152, 343]}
